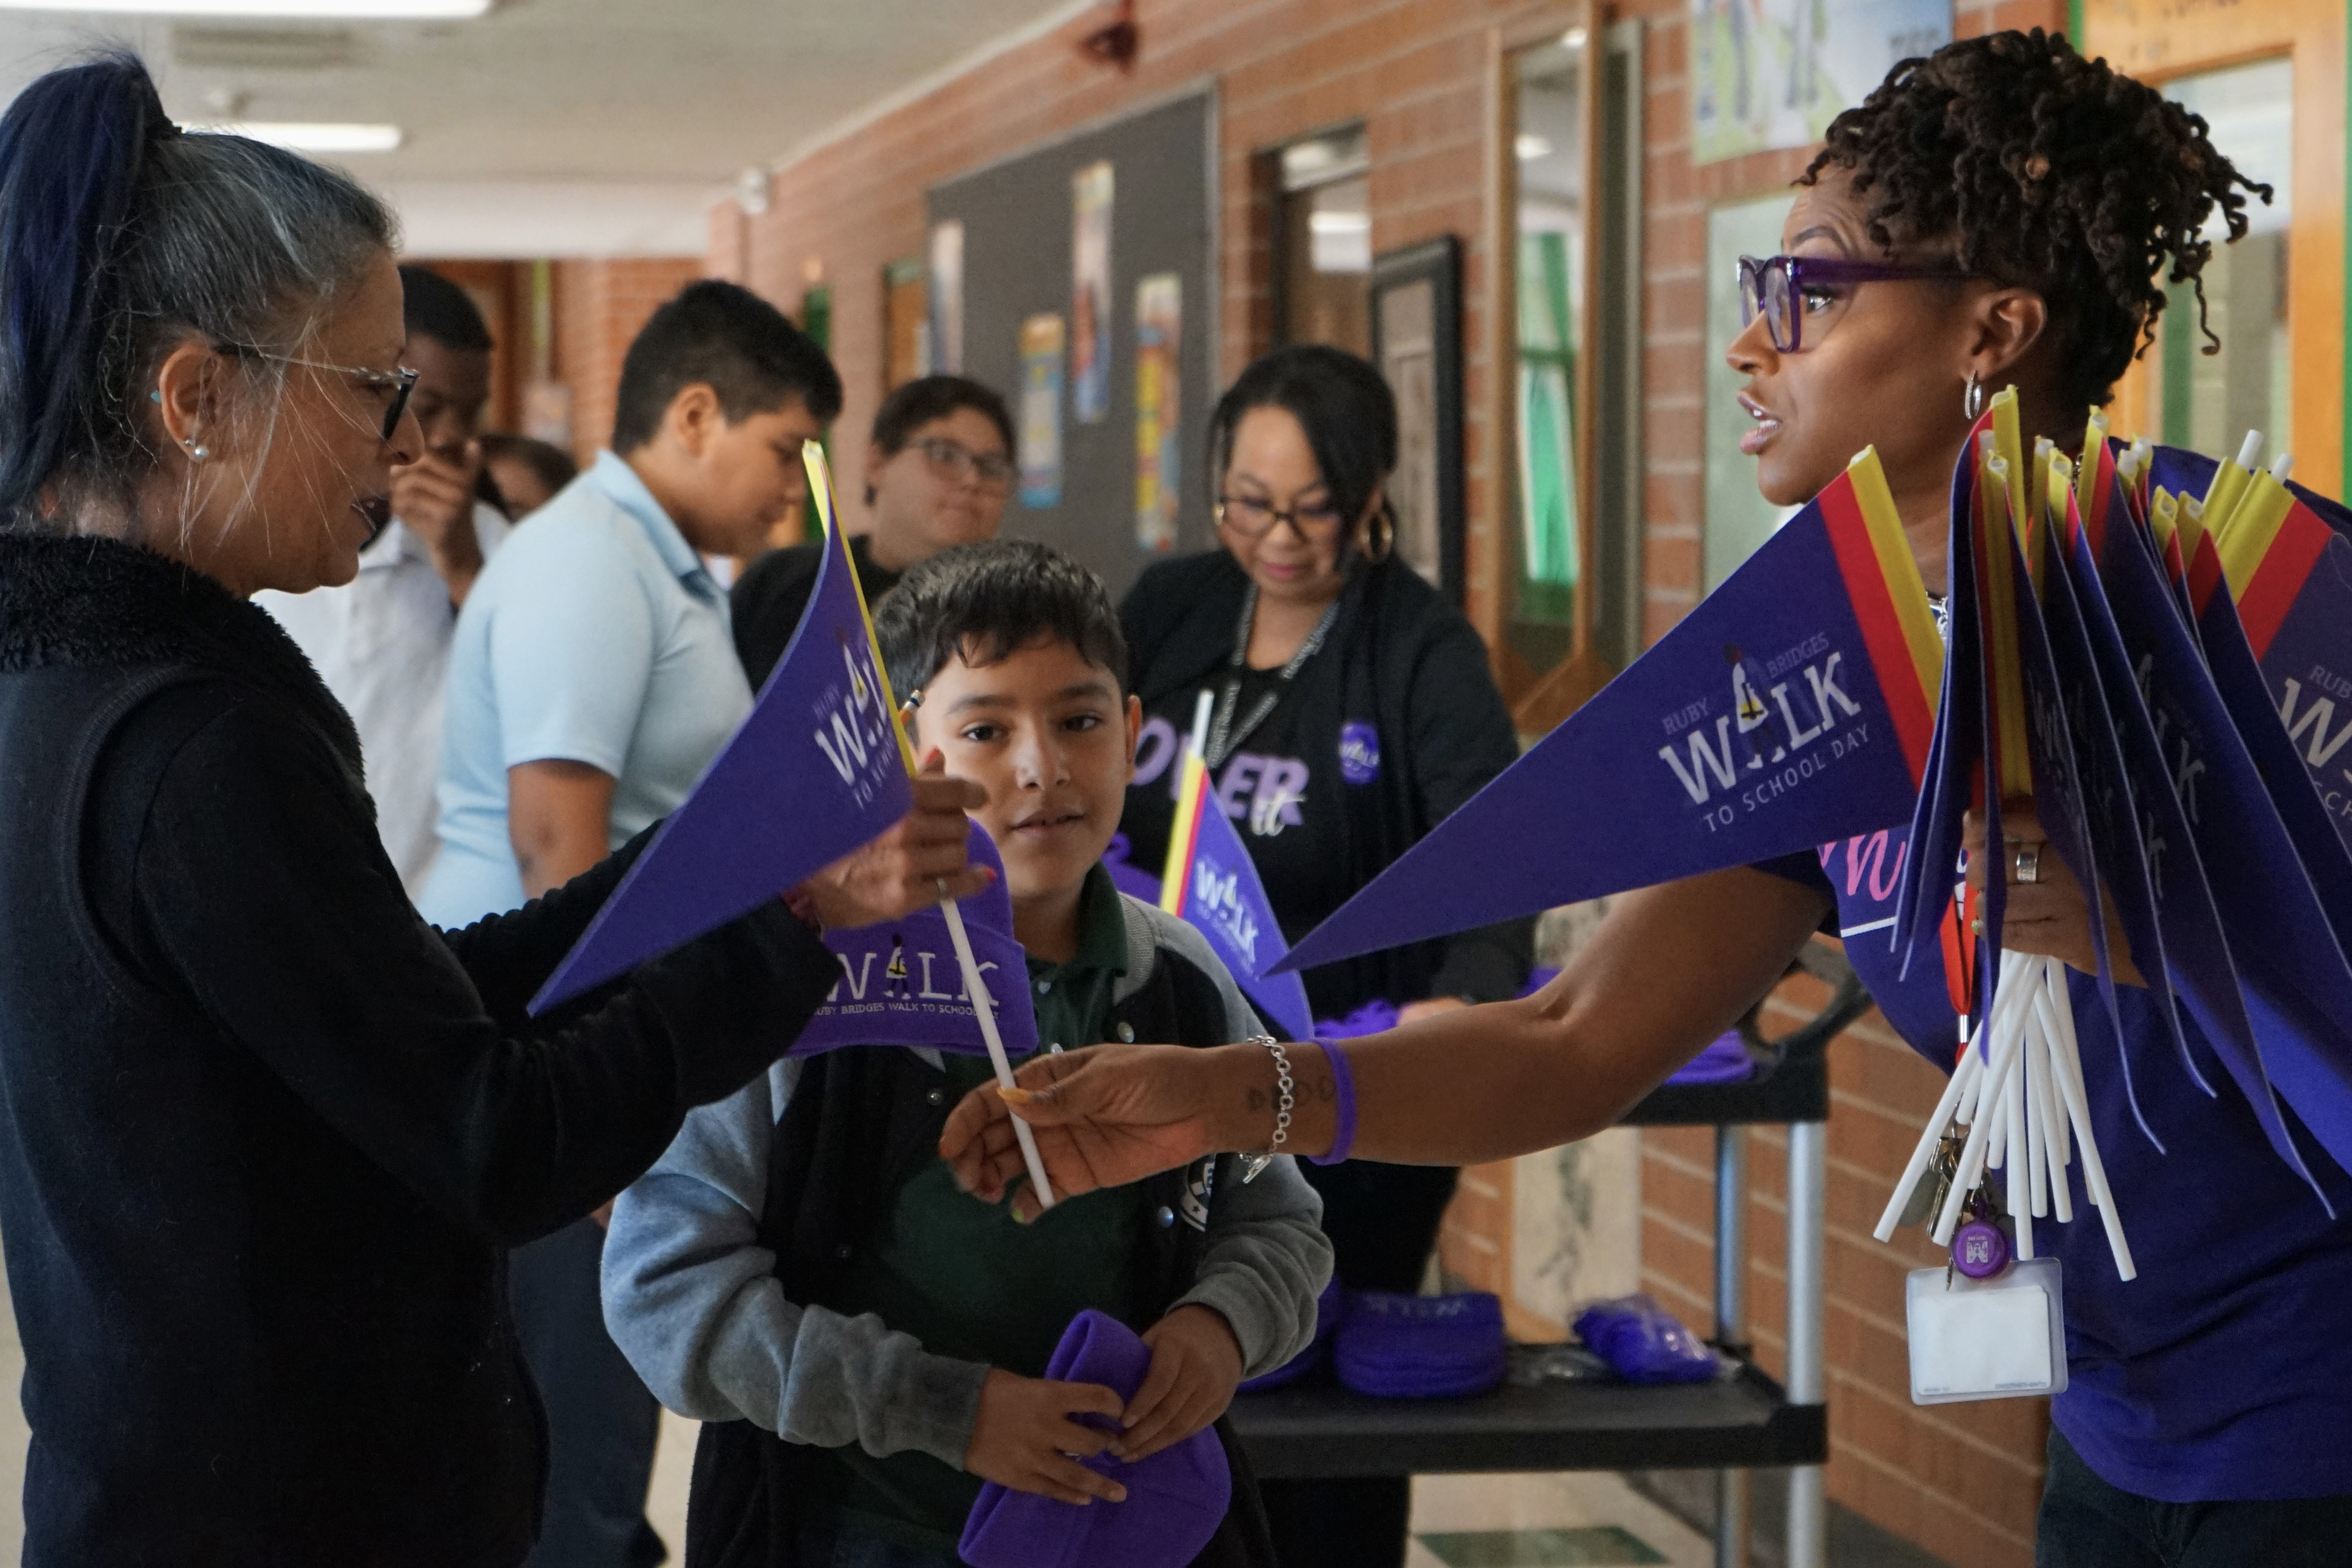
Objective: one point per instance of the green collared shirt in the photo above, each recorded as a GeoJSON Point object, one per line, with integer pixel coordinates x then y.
{"type": "Point", "coordinates": [965, 1279]}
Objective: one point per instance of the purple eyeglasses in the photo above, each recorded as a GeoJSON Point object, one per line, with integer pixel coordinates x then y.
{"type": "Point", "coordinates": [1773, 286]}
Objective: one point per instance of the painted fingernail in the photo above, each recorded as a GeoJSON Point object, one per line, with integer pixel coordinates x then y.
{"type": "Point", "coordinates": [1015, 1095]}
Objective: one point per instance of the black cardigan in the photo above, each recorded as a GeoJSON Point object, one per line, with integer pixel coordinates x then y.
{"type": "Point", "coordinates": [269, 1132]}
{"type": "Point", "coordinates": [1402, 655]}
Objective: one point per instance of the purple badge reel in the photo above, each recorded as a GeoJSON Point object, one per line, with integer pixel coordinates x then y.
{"type": "Point", "coordinates": [1175, 1500]}
{"type": "Point", "coordinates": [1359, 753]}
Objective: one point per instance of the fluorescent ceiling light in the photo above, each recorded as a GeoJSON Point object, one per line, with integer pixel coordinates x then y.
{"type": "Point", "coordinates": [300, 136]}
{"type": "Point", "coordinates": [337, 10]}
{"type": "Point", "coordinates": [1338, 223]}
{"type": "Point", "coordinates": [1531, 146]}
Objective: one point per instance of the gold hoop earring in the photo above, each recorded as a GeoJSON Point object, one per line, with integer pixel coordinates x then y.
{"type": "Point", "coordinates": [1972, 401]}
{"type": "Point", "coordinates": [1384, 544]}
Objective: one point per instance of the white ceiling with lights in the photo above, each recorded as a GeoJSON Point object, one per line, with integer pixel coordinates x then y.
{"type": "Point", "coordinates": [542, 126]}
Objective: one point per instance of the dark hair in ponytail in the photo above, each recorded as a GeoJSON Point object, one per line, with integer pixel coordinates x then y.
{"type": "Point", "coordinates": [121, 237]}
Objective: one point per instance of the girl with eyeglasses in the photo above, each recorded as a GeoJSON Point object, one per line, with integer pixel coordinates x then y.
{"type": "Point", "coordinates": [2002, 212]}
{"type": "Point", "coordinates": [269, 1134]}
{"type": "Point", "coordinates": [1351, 710]}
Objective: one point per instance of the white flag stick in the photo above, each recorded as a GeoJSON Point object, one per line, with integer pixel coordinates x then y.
{"type": "Point", "coordinates": [1996, 1130]}
{"type": "Point", "coordinates": [2020, 1150]}
{"type": "Point", "coordinates": [1201, 711]}
{"type": "Point", "coordinates": [985, 1011]}
{"type": "Point", "coordinates": [2067, 1068]}
{"type": "Point", "coordinates": [2000, 1035]}
{"type": "Point", "coordinates": [2042, 1108]}
{"type": "Point", "coordinates": [1929, 1142]}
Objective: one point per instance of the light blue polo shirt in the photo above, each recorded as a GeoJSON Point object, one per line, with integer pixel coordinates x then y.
{"type": "Point", "coordinates": [595, 636]}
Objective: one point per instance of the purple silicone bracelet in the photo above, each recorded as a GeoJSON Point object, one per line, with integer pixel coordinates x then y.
{"type": "Point", "coordinates": [1343, 1089]}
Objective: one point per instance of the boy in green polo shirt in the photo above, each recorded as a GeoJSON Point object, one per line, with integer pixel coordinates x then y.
{"type": "Point", "coordinates": [802, 1266]}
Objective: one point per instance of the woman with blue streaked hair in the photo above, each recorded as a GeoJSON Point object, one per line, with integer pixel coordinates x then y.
{"type": "Point", "coordinates": [268, 1134]}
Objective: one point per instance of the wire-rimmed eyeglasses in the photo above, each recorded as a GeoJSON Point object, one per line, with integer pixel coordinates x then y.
{"type": "Point", "coordinates": [401, 383]}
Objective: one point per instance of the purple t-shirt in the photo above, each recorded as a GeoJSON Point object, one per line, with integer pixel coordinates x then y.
{"type": "Point", "coordinates": [2221, 1373]}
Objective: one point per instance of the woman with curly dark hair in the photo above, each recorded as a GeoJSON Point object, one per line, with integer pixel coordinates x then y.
{"type": "Point", "coordinates": [1997, 214]}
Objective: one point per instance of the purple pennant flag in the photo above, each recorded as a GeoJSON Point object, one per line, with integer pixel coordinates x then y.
{"type": "Point", "coordinates": [2110, 818]}
{"type": "Point", "coordinates": [1929, 876]}
{"type": "Point", "coordinates": [2215, 841]}
{"type": "Point", "coordinates": [1794, 706]}
{"type": "Point", "coordinates": [2301, 634]}
{"type": "Point", "coordinates": [814, 771]}
{"type": "Point", "coordinates": [900, 984]}
{"type": "Point", "coordinates": [1226, 904]}
{"type": "Point", "coordinates": [2288, 763]}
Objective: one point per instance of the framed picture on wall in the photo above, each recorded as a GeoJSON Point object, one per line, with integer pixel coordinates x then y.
{"type": "Point", "coordinates": [1416, 310]}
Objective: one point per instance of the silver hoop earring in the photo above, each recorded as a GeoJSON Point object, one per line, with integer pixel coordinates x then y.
{"type": "Point", "coordinates": [1972, 401]}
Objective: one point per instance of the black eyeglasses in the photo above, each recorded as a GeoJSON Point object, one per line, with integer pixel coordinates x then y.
{"type": "Point", "coordinates": [955, 462]}
{"type": "Point", "coordinates": [401, 384]}
{"type": "Point", "coordinates": [1255, 519]}
{"type": "Point", "coordinates": [1784, 290]}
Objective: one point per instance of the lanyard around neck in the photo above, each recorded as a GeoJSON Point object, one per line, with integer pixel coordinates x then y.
{"type": "Point", "coordinates": [1224, 735]}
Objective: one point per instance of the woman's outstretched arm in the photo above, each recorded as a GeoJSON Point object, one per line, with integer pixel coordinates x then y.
{"type": "Point", "coordinates": [1670, 969]}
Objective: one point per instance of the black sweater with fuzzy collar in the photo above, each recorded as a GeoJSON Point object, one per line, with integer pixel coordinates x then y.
{"type": "Point", "coordinates": [266, 1133]}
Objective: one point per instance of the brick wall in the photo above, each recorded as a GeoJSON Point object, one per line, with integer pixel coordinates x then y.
{"type": "Point", "coordinates": [599, 308]}
{"type": "Point", "coordinates": [1962, 1480]}
{"type": "Point", "coordinates": [1414, 71]}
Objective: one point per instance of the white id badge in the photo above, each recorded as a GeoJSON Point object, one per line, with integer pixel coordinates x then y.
{"type": "Point", "coordinates": [1985, 1339]}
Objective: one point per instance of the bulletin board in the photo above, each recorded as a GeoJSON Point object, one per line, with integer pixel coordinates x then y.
{"type": "Point", "coordinates": [1024, 222]}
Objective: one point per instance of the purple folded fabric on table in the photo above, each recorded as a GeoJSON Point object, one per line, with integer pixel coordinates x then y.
{"type": "Point", "coordinates": [1327, 1318]}
{"type": "Point", "coordinates": [1393, 1346]}
{"type": "Point", "coordinates": [1724, 1061]}
{"type": "Point", "coordinates": [1644, 1342]}
{"type": "Point", "coordinates": [1175, 1500]}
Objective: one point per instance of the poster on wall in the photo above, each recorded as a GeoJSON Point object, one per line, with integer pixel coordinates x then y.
{"type": "Point", "coordinates": [1159, 410]}
{"type": "Point", "coordinates": [1041, 411]}
{"type": "Point", "coordinates": [1773, 73]}
{"type": "Point", "coordinates": [1417, 322]}
{"type": "Point", "coordinates": [1090, 327]}
{"type": "Point", "coordinates": [1409, 360]}
{"type": "Point", "coordinates": [946, 282]}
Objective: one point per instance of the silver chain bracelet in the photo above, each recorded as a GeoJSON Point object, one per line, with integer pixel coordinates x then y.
{"type": "Point", "coordinates": [1284, 1087]}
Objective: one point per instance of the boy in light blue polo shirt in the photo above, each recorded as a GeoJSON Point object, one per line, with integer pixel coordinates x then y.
{"type": "Point", "coordinates": [592, 680]}
{"type": "Point", "coordinates": [606, 646]}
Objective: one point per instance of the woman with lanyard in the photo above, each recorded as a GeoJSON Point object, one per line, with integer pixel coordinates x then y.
{"type": "Point", "coordinates": [1350, 711]}
{"type": "Point", "coordinates": [269, 1132]}
{"type": "Point", "coordinates": [1993, 215]}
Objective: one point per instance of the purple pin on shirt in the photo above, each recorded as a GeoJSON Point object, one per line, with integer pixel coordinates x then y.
{"type": "Point", "coordinates": [1980, 1249]}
